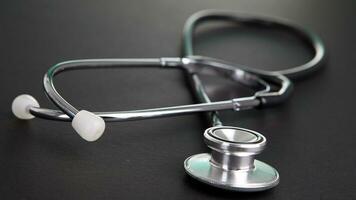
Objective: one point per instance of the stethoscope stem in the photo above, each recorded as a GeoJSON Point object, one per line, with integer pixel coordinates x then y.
{"type": "Point", "coordinates": [202, 96]}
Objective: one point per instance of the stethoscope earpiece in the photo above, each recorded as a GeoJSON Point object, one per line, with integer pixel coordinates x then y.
{"type": "Point", "coordinates": [231, 164]}
{"type": "Point", "coordinates": [88, 125]}
{"type": "Point", "coordinates": [21, 106]}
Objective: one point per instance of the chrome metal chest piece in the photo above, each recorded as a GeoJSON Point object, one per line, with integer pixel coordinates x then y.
{"type": "Point", "coordinates": [232, 164]}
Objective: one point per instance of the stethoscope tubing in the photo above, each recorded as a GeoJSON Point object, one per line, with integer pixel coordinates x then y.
{"type": "Point", "coordinates": [218, 15]}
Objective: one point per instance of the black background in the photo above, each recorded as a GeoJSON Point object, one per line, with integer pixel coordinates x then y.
{"type": "Point", "coordinates": [311, 136]}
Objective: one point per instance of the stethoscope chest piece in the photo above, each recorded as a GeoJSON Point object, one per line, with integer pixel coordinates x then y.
{"type": "Point", "coordinates": [231, 164]}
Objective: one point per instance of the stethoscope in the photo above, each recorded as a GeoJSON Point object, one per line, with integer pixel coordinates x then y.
{"type": "Point", "coordinates": [231, 163]}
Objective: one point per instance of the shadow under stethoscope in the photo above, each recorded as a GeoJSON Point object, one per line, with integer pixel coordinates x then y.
{"type": "Point", "coordinates": [22, 138]}
{"type": "Point", "coordinates": [219, 192]}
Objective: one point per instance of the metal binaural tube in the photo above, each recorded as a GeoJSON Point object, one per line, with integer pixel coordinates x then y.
{"type": "Point", "coordinates": [67, 111]}
{"type": "Point", "coordinates": [65, 106]}
{"type": "Point", "coordinates": [235, 104]}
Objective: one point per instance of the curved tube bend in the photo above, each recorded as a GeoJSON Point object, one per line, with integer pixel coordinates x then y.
{"type": "Point", "coordinates": [59, 101]}
{"type": "Point", "coordinates": [262, 21]}
{"type": "Point", "coordinates": [267, 98]}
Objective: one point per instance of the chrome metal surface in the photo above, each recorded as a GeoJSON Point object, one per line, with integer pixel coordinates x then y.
{"type": "Point", "coordinates": [262, 177]}
{"type": "Point", "coordinates": [150, 113]}
{"type": "Point", "coordinates": [231, 164]}
{"type": "Point", "coordinates": [232, 147]}
{"type": "Point", "coordinates": [234, 135]}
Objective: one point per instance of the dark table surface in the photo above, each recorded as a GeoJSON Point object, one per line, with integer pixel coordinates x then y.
{"type": "Point", "coordinates": [312, 140]}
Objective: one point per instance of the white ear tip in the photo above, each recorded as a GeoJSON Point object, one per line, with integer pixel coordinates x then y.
{"type": "Point", "coordinates": [88, 125]}
{"type": "Point", "coordinates": [21, 106]}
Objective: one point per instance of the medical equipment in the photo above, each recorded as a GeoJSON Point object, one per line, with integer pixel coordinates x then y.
{"type": "Point", "coordinates": [231, 164]}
